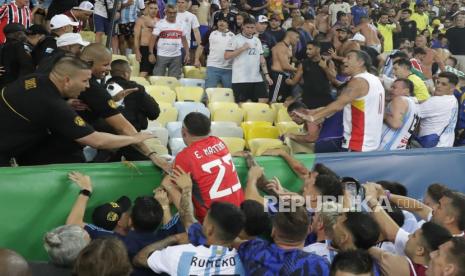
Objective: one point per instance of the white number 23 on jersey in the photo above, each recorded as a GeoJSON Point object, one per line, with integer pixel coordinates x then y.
{"type": "Point", "coordinates": [215, 191]}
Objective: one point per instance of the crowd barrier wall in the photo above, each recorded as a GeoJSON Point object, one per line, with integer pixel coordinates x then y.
{"type": "Point", "coordinates": [33, 200]}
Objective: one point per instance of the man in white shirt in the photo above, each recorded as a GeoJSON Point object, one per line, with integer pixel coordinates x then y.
{"type": "Point", "coordinates": [170, 37]}
{"type": "Point", "coordinates": [189, 22]}
{"type": "Point", "coordinates": [401, 116]}
{"type": "Point", "coordinates": [219, 70]}
{"type": "Point", "coordinates": [247, 54]}
{"type": "Point", "coordinates": [221, 226]}
{"type": "Point", "coordinates": [334, 8]}
{"type": "Point", "coordinates": [439, 114]}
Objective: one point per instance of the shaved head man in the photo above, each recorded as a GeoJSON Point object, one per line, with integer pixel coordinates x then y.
{"type": "Point", "coordinates": [13, 264]}
{"type": "Point", "coordinates": [100, 58]}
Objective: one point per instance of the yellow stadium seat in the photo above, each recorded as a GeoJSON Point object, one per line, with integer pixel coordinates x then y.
{"type": "Point", "coordinates": [277, 106]}
{"type": "Point", "coordinates": [259, 145]}
{"type": "Point", "coordinates": [288, 127]}
{"type": "Point", "coordinates": [259, 114]}
{"type": "Point", "coordinates": [193, 72]}
{"type": "Point", "coordinates": [171, 82]}
{"type": "Point", "coordinates": [156, 146]}
{"type": "Point", "coordinates": [262, 132]}
{"type": "Point", "coordinates": [168, 113]}
{"type": "Point", "coordinates": [249, 106]}
{"type": "Point", "coordinates": [115, 57]}
{"type": "Point", "coordinates": [282, 116]}
{"type": "Point", "coordinates": [227, 114]}
{"type": "Point", "coordinates": [140, 80]}
{"type": "Point", "coordinates": [191, 94]}
{"type": "Point", "coordinates": [296, 147]}
{"type": "Point", "coordinates": [220, 95]}
{"type": "Point", "coordinates": [135, 70]}
{"type": "Point", "coordinates": [234, 144]}
{"type": "Point", "coordinates": [215, 106]}
{"type": "Point", "coordinates": [88, 36]}
{"type": "Point", "coordinates": [132, 59]}
{"type": "Point", "coordinates": [161, 93]}
{"type": "Point", "coordinates": [246, 126]}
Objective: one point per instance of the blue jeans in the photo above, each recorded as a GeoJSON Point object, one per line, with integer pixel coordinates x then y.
{"type": "Point", "coordinates": [216, 75]}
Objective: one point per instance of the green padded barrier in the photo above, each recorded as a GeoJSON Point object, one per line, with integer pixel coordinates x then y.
{"type": "Point", "coordinates": [34, 200]}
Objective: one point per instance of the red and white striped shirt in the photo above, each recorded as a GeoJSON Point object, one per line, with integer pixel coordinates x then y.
{"type": "Point", "coordinates": [11, 13]}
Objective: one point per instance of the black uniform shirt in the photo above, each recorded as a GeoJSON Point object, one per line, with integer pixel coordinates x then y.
{"type": "Point", "coordinates": [31, 109]}
{"type": "Point", "coordinates": [99, 101]}
{"type": "Point", "coordinates": [44, 49]}
{"type": "Point", "coordinates": [16, 60]}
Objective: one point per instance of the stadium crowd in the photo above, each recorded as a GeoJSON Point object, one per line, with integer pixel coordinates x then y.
{"type": "Point", "coordinates": [190, 84]}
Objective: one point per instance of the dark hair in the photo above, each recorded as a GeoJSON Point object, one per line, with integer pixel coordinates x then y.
{"type": "Point", "coordinates": [329, 185]}
{"type": "Point", "coordinates": [340, 14]}
{"type": "Point", "coordinates": [411, 88]}
{"type": "Point", "coordinates": [395, 213]}
{"type": "Point", "coordinates": [119, 67]}
{"type": "Point", "coordinates": [395, 187]}
{"type": "Point", "coordinates": [407, 11]}
{"type": "Point", "coordinates": [105, 257]}
{"type": "Point", "coordinates": [146, 214]}
{"type": "Point", "coordinates": [296, 105]}
{"type": "Point", "coordinates": [364, 229]}
{"type": "Point", "coordinates": [404, 62]}
{"type": "Point", "coordinates": [249, 20]}
{"type": "Point", "coordinates": [457, 202]}
{"type": "Point", "coordinates": [323, 170]}
{"type": "Point", "coordinates": [352, 261]}
{"type": "Point", "coordinates": [436, 191]}
{"type": "Point", "coordinates": [315, 43]}
{"type": "Point", "coordinates": [292, 30]}
{"type": "Point", "coordinates": [362, 55]}
{"type": "Point", "coordinates": [433, 235]}
{"type": "Point", "coordinates": [257, 221]}
{"type": "Point", "coordinates": [399, 54]}
{"type": "Point", "coordinates": [171, 6]}
{"type": "Point", "coordinates": [292, 226]}
{"type": "Point", "coordinates": [228, 218]}
{"type": "Point", "coordinates": [383, 13]}
{"type": "Point", "coordinates": [454, 60]}
{"type": "Point", "coordinates": [197, 124]}
{"type": "Point", "coordinates": [451, 77]}
{"type": "Point", "coordinates": [457, 254]}
{"type": "Point", "coordinates": [419, 51]}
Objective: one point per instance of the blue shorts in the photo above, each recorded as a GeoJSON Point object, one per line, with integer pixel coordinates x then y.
{"type": "Point", "coordinates": [101, 24]}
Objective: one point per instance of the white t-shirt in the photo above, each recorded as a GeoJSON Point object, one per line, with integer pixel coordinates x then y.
{"type": "Point", "coordinates": [410, 222]}
{"type": "Point", "coordinates": [100, 8]}
{"type": "Point", "coordinates": [189, 21]}
{"type": "Point", "coordinates": [169, 38]}
{"type": "Point", "coordinates": [401, 241]}
{"type": "Point", "coordinates": [439, 116]}
{"type": "Point", "coordinates": [188, 259]}
{"type": "Point", "coordinates": [246, 66]}
{"type": "Point", "coordinates": [218, 42]}
{"type": "Point", "coordinates": [320, 249]}
{"type": "Point", "coordinates": [335, 8]}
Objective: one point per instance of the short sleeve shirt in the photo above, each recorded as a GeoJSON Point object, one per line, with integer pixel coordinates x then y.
{"type": "Point", "coordinates": [246, 66]}
{"type": "Point", "coordinates": [213, 173]}
{"type": "Point", "coordinates": [32, 108]}
{"type": "Point", "coordinates": [169, 38]}
{"type": "Point", "coordinates": [260, 257]}
{"type": "Point", "coordinates": [99, 101]}
{"type": "Point", "coordinates": [188, 21]}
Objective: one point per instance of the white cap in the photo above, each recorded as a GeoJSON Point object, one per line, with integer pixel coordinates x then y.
{"type": "Point", "coordinates": [61, 20]}
{"type": "Point", "coordinates": [71, 39]}
{"type": "Point", "coordinates": [85, 6]}
{"type": "Point", "coordinates": [262, 19]}
{"type": "Point", "coordinates": [358, 37]}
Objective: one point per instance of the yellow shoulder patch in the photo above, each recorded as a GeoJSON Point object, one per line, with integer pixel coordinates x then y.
{"type": "Point", "coordinates": [79, 121]}
{"type": "Point", "coordinates": [112, 216]}
{"type": "Point", "coordinates": [30, 83]}
{"type": "Point", "coordinates": [112, 104]}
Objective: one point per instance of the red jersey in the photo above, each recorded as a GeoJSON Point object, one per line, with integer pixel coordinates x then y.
{"type": "Point", "coordinates": [213, 174]}
{"type": "Point", "coordinates": [10, 13]}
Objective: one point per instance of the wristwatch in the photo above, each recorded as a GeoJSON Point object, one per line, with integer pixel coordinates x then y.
{"type": "Point", "coordinates": [85, 192]}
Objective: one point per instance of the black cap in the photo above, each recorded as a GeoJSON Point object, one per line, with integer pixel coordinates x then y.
{"type": "Point", "coordinates": [13, 28]}
{"type": "Point", "coordinates": [37, 29]}
{"type": "Point", "coordinates": [107, 215]}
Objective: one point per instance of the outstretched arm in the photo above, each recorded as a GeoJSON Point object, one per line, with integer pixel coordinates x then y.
{"type": "Point", "coordinates": [76, 216]}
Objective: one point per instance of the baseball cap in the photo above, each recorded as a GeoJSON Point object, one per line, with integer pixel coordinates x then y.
{"type": "Point", "coordinates": [36, 29]}
{"type": "Point", "coordinates": [358, 37]}
{"type": "Point", "coordinates": [436, 22]}
{"type": "Point", "coordinates": [61, 20]}
{"type": "Point", "coordinates": [85, 6]}
{"type": "Point", "coordinates": [262, 19]}
{"type": "Point", "coordinates": [13, 28]}
{"type": "Point", "coordinates": [70, 39]}
{"type": "Point", "coordinates": [107, 215]}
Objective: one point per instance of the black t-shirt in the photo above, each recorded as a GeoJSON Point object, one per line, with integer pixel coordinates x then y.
{"type": "Point", "coordinates": [408, 30]}
{"type": "Point", "coordinates": [230, 17]}
{"type": "Point", "coordinates": [46, 64]}
{"type": "Point", "coordinates": [456, 37]}
{"type": "Point", "coordinates": [44, 49]}
{"type": "Point", "coordinates": [31, 109]}
{"type": "Point", "coordinates": [61, 6]}
{"type": "Point", "coordinates": [16, 60]}
{"type": "Point", "coordinates": [373, 55]}
{"type": "Point", "coordinates": [277, 35]}
{"type": "Point", "coordinates": [99, 101]}
{"type": "Point", "coordinates": [316, 90]}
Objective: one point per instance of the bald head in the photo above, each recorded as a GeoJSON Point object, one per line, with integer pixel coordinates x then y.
{"type": "Point", "coordinates": [95, 52]}
{"type": "Point", "coordinates": [13, 264]}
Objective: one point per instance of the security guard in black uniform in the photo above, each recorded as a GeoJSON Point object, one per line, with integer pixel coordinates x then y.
{"type": "Point", "coordinates": [15, 54]}
{"type": "Point", "coordinates": [101, 111]}
{"type": "Point", "coordinates": [39, 127]}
